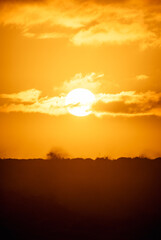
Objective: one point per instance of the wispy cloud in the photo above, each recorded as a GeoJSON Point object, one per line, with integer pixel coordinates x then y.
{"type": "Point", "coordinates": [90, 81]}
{"type": "Point", "coordinates": [31, 95]}
{"type": "Point", "coordinates": [87, 22]}
{"type": "Point", "coordinates": [142, 77]}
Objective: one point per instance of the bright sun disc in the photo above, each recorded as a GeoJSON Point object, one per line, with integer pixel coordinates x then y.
{"type": "Point", "coordinates": [79, 102]}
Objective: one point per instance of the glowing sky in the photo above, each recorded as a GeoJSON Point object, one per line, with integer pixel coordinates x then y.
{"type": "Point", "coordinates": [112, 48]}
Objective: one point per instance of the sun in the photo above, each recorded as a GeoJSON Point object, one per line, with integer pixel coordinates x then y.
{"type": "Point", "coordinates": [79, 102]}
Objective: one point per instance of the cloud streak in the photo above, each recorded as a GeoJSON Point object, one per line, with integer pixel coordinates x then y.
{"type": "Point", "coordinates": [142, 77]}
{"type": "Point", "coordinates": [87, 22]}
{"type": "Point", "coordinates": [51, 106]}
{"type": "Point", "coordinates": [31, 95]}
{"type": "Point", "coordinates": [128, 104]}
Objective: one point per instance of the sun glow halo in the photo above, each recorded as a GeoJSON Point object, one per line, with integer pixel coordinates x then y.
{"type": "Point", "coordinates": [79, 102]}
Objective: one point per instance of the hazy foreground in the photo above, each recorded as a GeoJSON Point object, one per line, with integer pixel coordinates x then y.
{"type": "Point", "coordinates": [80, 199]}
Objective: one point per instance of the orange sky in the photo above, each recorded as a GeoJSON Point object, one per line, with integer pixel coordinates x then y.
{"type": "Point", "coordinates": [112, 48]}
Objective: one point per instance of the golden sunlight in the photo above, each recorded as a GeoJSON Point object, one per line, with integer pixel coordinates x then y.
{"type": "Point", "coordinates": [79, 102]}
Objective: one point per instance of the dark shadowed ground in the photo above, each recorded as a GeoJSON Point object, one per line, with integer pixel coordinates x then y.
{"type": "Point", "coordinates": [80, 199]}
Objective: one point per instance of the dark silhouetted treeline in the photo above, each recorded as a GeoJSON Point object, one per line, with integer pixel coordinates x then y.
{"type": "Point", "coordinates": [80, 199]}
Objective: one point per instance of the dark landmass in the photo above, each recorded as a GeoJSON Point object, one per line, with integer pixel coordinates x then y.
{"type": "Point", "coordinates": [76, 199]}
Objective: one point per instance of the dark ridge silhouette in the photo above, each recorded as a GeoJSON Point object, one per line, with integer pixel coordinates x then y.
{"type": "Point", "coordinates": [78, 198]}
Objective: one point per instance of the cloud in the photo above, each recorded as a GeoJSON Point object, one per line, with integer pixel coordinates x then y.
{"type": "Point", "coordinates": [52, 106]}
{"type": "Point", "coordinates": [142, 77]}
{"type": "Point", "coordinates": [51, 35]}
{"type": "Point", "coordinates": [90, 81]}
{"type": "Point", "coordinates": [27, 14]}
{"type": "Point", "coordinates": [31, 95]}
{"type": "Point", "coordinates": [90, 22]}
{"type": "Point", "coordinates": [30, 101]}
{"type": "Point", "coordinates": [128, 104]}
{"type": "Point", "coordinates": [120, 104]}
